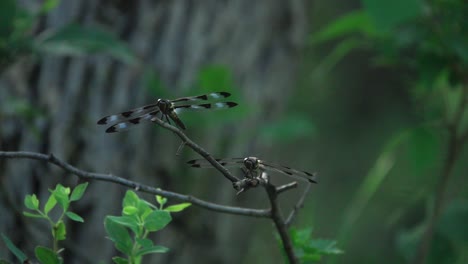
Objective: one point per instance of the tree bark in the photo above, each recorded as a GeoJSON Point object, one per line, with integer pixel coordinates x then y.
{"type": "Point", "coordinates": [258, 41]}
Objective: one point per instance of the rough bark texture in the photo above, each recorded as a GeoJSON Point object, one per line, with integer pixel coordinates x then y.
{"type": "Point", "coordinates": [257, 40]}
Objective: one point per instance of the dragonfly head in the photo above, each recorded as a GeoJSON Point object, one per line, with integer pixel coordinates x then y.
{"type": "Point", "coordinates": [164, 105]}
{"type": "Point", "coordinates": [251, 163]}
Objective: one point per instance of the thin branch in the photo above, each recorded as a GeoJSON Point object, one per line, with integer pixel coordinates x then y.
{"type": "Point", "coordinates": [279, 222]}
{"type": "Point", "coordinates": [197, 149]}
{"type": "Point", "coordinates": [299, 205]}
{"type": "Point", "coordinates": [261, 213]}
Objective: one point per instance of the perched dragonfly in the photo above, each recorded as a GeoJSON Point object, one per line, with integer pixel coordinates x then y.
{"type": "Point", "coordinates": [168, 109]}
{"type": "Point", "coordinates": [254, 166]}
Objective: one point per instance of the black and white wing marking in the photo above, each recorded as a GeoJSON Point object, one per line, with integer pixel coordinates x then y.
{"type": "Point", "coordinates": [204, 97]}
{"type": "Point", "coordinates": [129, 123]}
{"type": "Point", "coordinates": [297, 174]}
{"type": "Point", "coordinates": [130, 114]}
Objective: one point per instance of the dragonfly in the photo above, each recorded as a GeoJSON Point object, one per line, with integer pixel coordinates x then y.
{"type": "Point", "coordinates": [167, 109]}
{"type": "Point", "coordinates": [253, 167]}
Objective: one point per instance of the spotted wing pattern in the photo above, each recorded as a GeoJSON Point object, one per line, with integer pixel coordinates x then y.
{"type": "Point", "coordinates": [125, 120]}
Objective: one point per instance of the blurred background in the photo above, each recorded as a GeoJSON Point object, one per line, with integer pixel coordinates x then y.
{"type": "Point", "coordinates": [371, 94]}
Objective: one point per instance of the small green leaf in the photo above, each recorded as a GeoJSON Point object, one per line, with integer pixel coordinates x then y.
{"type": "Point", "coordinates": [128, 221]}
{"type": "Point", "coordinates": [157, 220]}
{"type": "Point", "coordinates": [31, 202]}
{"type": "Point", "coordinates": [16, 251]}
{"type": "Point", "coordinates": [120, 260]}
{"type": "Point", "coordinates": [177, 207]}
{"type": "Point", "coordinates": [130, 210]}
{"type": "Point", "coordinates": [119, 235]}
{"type": "Point", "coordinates": [161, 200]}
{"type": "Point", "coordinates": [76, 40]}
{"type": "Point", "coordinates": [50, 204]}
{"type": "Point", "coordinates": [151, 250]}
{"type": "Point", "coordinates": [74, 217]}
{"type": "Point", "coordinates": [28, 214]}
{"type": "Point", "coordinates": [59, 231]}
{"type": "Point", "coordinates": [325, 247]}
{"type": "Point", "coordinates": [144, 242]}
{"type": "Point", "coordinates": [78, 192]}
{"type": "Point", "coordinates": [61, 195]}
{"type": "Point", "coordinates": [130, 199]}
{"type": "Point", "coordinates": [46, 255]}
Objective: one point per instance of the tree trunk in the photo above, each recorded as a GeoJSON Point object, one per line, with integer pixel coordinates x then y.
{"type": "Point", "coordinates": [258, 41]}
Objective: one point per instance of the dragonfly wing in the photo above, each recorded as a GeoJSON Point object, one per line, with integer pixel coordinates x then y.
{"type": "Point", "coordinates": [129, 123]}
{"type": "Point", "coordinates": [130, 114]}
{"type": "Point", "coordinates": [207, 106]}
{"type": "Point", "coordinates": [203, 163]}
{"type": "Point", "coordinates": [297, 174]}
{"type": "Point", "coordinates": [204, 97]}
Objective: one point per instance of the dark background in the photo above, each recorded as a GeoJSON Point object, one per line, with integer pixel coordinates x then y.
{"type": "Point", "coordinates": [351, 118]}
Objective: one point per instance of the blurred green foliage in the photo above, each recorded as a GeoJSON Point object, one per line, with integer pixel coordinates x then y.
{"type": "Point", "coordinates": [428, 40]}
{"type": "Point", "coordinates": [17, 37]}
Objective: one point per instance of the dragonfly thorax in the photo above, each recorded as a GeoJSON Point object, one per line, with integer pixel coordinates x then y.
{"type": "Point", "coordinates": [165, 106]}
{"type": "Point", "coordinates": [251, 163]}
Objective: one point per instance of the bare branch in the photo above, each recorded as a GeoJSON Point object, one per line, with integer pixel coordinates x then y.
{"type": "Point", "coordinates": [197, 149]}
{"type": "Point", "coordinates": [261, 213]}
{"type": "Point", "coordinates": [299, 205]}
{"type": "Point", "coordinates": [279, 222]}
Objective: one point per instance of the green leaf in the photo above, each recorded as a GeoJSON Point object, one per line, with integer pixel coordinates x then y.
{"type": "Point", "coordinates": [144, 242]}
{"type": "Point", "coordinates": [130, 210]}
{"type": "Point", "coordinates": [119, 235]}
{"type": "Point", "coordinates": [388, 14]}
{"type": "Point", "coordinates": [50, 204]}
{"type": "Point", "coordinates": [61, 195]}
{"type": "Point", "coordinates": [59, 231]}
{"type": "Point", "coordinates": [120, 260]}
{"type": "Point", "coordinates": [161, 200]}
{"type": "Point", "coordinates": [157, 220]}
{"type": "Point", "coordinates": [130, 199]}
{"type": "Point", "coordinates": [16, 251]}
{"type": "Point", "coordinates": [46, 255]}
{"type": "Point", "coordinates": [353, 22]}
{"type": "Point", "coordinates": [128, 221]}
{"type": "Point", "coordinates": [78, 192]}
{"type": "Point", "coordinates": [74, 217]}
{"type": "Point", "coordinates": [31, 202]}
{"type": "Point", "coordinates": [177, 207]}
{"type": "Point", "coordinates": [28, 214]}
{"type": "Point", "coordinates": [76, 40]}
{"type": "Point", "coordinates": [151, 250]}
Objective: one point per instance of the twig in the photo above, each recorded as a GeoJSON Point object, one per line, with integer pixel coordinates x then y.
{"type": "Point", "coordinates": [298, 206]}
{"type": "Point", "coordinates": [197, 149]}
{"type": "Point", "coordinates": [262, 213]}
{"type": "Point", "coordinates": [279, 222]}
